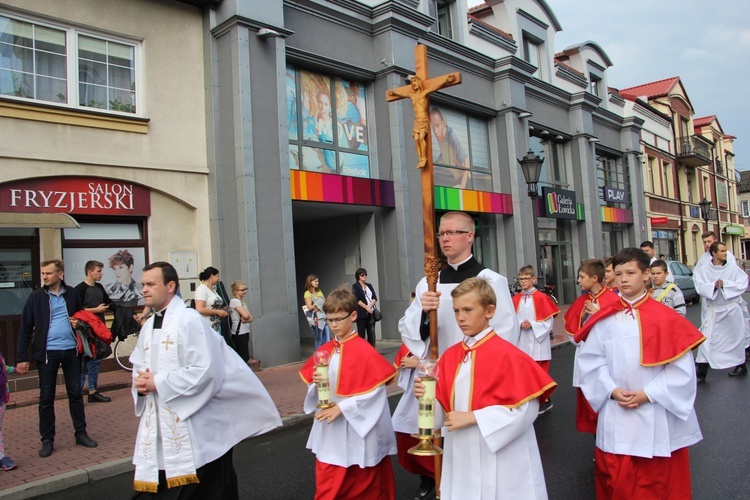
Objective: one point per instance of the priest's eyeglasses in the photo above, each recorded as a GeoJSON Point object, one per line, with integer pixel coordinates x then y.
{"type": "Point", "coordinates": [333, 321]}
{"type": "Point", "coordinates": [451, 233]}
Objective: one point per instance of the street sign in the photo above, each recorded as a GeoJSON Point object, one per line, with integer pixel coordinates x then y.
{"type": "Point", "coordinates": [656, 221]}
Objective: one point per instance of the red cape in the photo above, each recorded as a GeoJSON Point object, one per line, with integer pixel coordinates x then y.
{"type": "Point", "coordinates": [667, 334]}
{"type": "Point", "coordinates": [574, 316]}
{"type": "Point", "coordinates": [403, 352]}
{"type": "Point", "coordinates": [362, 369]}
{"type": "Point", "coordinates": [544, 307]}
{"type": "Point", "coordinates": [501, 375]}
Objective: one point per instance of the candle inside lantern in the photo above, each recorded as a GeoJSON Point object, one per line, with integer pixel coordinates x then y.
{"type": "Point", "coordinates": [324, 391]}
{"type": "Point", "coordinates": [426, 418]}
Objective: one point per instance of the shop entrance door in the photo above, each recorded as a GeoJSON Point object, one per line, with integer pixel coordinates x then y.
{"type": "Point", "coordinates": [19, 276]}
{"type": "Point", "coordinates": [556, 268]}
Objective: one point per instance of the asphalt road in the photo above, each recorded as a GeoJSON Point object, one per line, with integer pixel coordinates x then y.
{"type": "Point", "coordinates": [280, 467]}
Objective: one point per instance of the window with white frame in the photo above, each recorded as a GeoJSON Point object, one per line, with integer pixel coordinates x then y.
{"type": "Point", "coordinates": [745, 208]}
{"type": "Point", "coordinates": [441, 11]}
{"type": "Point", "coordinates": [595, 85]}
{"type": "Point", "coordinates": [66, 66]}
{"type": "Point", "coordinates": [533, 53]}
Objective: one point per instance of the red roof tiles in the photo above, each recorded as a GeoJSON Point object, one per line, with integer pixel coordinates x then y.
{"type": "Point", "coordinates": [654, 89]}
{"type": "Point", "coordinates": [703, 120]}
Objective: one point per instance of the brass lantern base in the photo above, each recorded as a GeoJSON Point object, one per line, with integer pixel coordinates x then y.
{"type": "Point", "coordinates": [425, 448]}
{"type": "Point", "coordinates": [324, 405]}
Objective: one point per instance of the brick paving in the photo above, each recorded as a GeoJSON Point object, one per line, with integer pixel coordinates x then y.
{"type": "Point", "coordinates": [114, 424]}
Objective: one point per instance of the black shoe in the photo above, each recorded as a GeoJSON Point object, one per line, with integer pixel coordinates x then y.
{"type": "Point", "coordinates": [47, 449]}
{"type": "Point", "coordinates": [701, 370]}
{"type": "Point", "coordinates": [85, 440]}
{"type": "Point", "coordinates": [98, 397]}
{"type": "Point", "coordinates": [738, 370]}
{"type": "Point", "coordinates": [426, 489]}
{"type": "Point", "coordinates": [545, 407]}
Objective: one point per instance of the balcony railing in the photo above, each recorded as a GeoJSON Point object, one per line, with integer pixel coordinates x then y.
{"type": "Point", "coordinates": [694, 151]}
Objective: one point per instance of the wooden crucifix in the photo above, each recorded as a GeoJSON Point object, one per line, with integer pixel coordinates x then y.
{"type": "Point", "coordinates": [419, 88]}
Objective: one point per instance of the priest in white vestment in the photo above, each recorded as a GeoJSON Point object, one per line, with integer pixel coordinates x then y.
{"type": "Point", "coordinates": [195, 397]}
{"type": "Point", "coordinates": [456, 237]}
{"type": "Point", "coordinates": [721, 285]}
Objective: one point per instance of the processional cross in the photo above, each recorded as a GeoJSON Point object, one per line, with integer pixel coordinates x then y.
{"type": "Point", "coordinates": [419, 88]}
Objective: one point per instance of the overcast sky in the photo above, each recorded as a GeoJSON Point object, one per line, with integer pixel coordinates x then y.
{"type": "Point", "coordinates": [705, 43]}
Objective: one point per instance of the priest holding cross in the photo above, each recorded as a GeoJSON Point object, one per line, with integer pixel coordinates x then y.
{"type": "Point", "coordinates": [433, 304]}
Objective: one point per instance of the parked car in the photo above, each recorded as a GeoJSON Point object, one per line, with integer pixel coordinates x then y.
{"type": "Point", "coordinates": [683, 278]}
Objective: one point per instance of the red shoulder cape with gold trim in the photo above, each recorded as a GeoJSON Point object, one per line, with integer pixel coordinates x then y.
{"type": "Point", "coordinates": [501, 375]}
{"type": "Point", "coordinates": [574, 317]}
{"type": "Point", "coordinates": [544, 307]}
{"type": "Point", "coordinates": [667, 335]}
{"type": "Point", "coordinates": [361, 368]}
{"type": "Point", "coordinates": [403, 352]}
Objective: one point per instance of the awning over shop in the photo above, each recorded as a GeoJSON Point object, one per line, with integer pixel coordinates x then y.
{"type": "Point", "coordinates": [20, 219]}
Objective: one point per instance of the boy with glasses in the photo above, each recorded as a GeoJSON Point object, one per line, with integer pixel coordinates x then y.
{"type": "Point", "coordinates": [351, 440]}
{"type": "Point", "coordinates": [536, 314]}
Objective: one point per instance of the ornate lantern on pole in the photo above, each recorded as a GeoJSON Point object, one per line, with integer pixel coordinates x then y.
{"type": "Point", "coordinates": [531, 166]}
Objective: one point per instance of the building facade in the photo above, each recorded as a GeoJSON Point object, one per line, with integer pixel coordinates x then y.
{"type": "Point", "coordinates": [102, 119]}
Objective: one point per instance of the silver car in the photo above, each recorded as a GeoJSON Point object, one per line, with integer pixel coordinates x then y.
{"type": "Point", "coordinates": [683, 278]}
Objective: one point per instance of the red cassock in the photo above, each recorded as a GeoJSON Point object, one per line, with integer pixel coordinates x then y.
{"type": "Point", "coordinates": [501, 375]}
{"type": "Point", "coordinates": [585, 415]}
{"type": "Point", "coordinates": [361, 367]}
{"type": "Point", "coordinates": [544, 307]}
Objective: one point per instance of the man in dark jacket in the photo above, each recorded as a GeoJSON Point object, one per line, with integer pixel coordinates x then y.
{"type": "Point", "coordinates": [46, 324]}
{"type": "Point", "coordinates": [95, 300]}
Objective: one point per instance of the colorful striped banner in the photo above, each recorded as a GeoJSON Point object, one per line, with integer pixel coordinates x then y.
{"type": "Point", "coordinates": [447, 198]}
{"type": "Point", "coordinates": [331, 188]}
{"type": "Point", "coordinates": [620, 215]}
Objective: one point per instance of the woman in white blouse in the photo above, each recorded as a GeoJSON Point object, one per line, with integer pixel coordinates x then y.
{"type": "Point", "coordinates": [207, 301]}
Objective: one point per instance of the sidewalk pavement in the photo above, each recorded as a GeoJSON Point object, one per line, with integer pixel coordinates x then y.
{"type": "Point", "coordinates": [114, 426]}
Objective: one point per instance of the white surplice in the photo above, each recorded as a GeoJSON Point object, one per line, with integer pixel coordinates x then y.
{"type": "Point", "coordinates": [496, 459]}
{"type": "Point", "coordinates": [725, 322]}
{"type": "Point", "coordinates": [610, 358]}
{"type": "Point", "coordinates": [214, 391]}
{"type": "Point", "coordinates": [504, 321]}
{"type": "Point", "coordinates": [534, 342]}
{"type": "Point", "coordinates": [362, 435]}
{"type": "Point", "coordinates": [405, 415]}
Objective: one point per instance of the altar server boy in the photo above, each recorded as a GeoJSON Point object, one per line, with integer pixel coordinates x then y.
{"type": "Point", "coordinates": [351, 440]}
{"type": "Point", "coordinates": [636, 370]}
{"type": "Point", "coordinates": [595, 295]}
{"type": "Point", "coordinates": [490, 392]}
{"type": "Point", "coordinates": [536, 314]}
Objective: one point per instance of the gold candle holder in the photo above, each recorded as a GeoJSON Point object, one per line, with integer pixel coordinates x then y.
{"type": "Point", "coordinates": [426, 419]}
{"type": "Point", "coordinates": [321, 360]}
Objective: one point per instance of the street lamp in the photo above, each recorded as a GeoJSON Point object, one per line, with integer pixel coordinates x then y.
{"type": "Point", "coordinates": [705, 211]}
{"type": "Point", "coordinates": [531, 166]}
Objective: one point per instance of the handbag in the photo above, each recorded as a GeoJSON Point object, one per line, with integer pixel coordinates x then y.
{"type": "Point", "coordinates": [376, 314]}
{"type": "Point", "coordinates": [312, 319]}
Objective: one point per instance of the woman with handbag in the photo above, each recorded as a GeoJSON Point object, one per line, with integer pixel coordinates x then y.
{"type": "Point", "coordinates": [241, 319]}
{"type": "Point", "coordinates": [367, 314]}
{"type": "Point", "coordinates": [207, 300]}
{"type": "Point", "coordinates": [316, 318]}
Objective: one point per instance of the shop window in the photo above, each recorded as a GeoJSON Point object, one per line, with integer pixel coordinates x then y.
{"type": "Point", "coordinates": [121, 246]}
{"type": "Point", "coordinates": [66, 65]}
{"type": "Point", "coordinates": [460, 150]}
{"type": "Point", "coordinates": [542, 143]}
{"type": "Point", "coordinates": [327, 123]}
{"type": "Point", "coordinates": [613, 172]}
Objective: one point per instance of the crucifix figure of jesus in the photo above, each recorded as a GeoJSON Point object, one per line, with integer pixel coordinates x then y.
{"type": "Point", "coordinates": [418, 90]}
